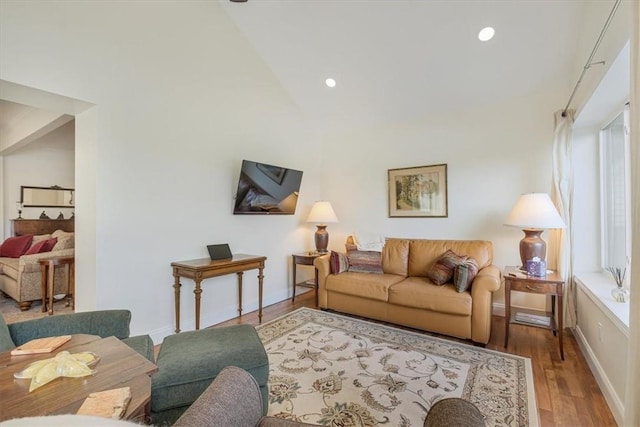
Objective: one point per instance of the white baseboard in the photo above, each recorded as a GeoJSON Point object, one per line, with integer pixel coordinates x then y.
{"type": "Point", "coordinates": [614, 402]}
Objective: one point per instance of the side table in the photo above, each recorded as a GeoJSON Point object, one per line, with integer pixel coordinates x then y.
{"type": "Point", "coordinates": [552, 285]}
{"type": "Point", "coordinates": [305, 258]}
{"type": "Point", "coordinates": [48, 266]}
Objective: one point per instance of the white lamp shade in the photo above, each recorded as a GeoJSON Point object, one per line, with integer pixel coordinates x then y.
{"type": "Point", "coordinates": [534, 211]}
{"type": "Point", "coordinates": [322, 213]}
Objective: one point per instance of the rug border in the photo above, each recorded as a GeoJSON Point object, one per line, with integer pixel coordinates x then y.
{"type": "Point", "coordinates": [531, 397]}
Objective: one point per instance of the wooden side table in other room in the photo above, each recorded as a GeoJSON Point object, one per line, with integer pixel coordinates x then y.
{"type": "Point", "coordinates": [305, 259]}
{"type": "Point", "coordinates": [552, 285]}
{"type": "Point", "coordinates": [48, 267]}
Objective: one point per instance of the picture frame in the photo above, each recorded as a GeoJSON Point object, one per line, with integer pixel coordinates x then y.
{"type": "Point", "coordinates": [418, 192]}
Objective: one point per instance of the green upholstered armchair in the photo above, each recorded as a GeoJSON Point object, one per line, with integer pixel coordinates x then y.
{"type": "Point", "coordinates": [103, 323]}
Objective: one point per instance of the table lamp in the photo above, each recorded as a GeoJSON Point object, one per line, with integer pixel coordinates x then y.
{"type": "Point", "coordinates": [534, 213]}
{"type": "Point", "coordinates": [322, 213]}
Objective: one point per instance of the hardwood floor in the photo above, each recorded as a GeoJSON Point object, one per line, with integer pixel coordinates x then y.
{"type": "Point", "coordinates": [567, 394]}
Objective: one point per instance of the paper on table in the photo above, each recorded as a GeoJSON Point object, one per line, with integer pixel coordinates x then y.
{"type": "Point", "coordinates": [108, 404]}
{"type": "Point", "coordinates": [40, 345]}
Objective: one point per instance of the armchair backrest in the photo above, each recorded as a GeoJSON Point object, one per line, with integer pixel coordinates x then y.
{"type": "Point", "coordinates": [103, 323]}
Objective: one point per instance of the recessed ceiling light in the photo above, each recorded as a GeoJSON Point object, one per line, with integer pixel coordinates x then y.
{"type": "Point", "coordinates": [330, 82]}
{"type": "Point", "coordinates": [486, 34]}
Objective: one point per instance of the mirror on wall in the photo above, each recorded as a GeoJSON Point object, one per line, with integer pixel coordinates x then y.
{"type": "Point", "coordinates": [47, 197]}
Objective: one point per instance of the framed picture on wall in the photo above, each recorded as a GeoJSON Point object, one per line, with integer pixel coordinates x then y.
{"type": "Point", "coordinates": [418, 192]}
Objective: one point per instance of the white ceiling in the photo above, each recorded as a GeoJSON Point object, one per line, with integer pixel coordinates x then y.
{"type": "Point", "coordinates": [402, 59]}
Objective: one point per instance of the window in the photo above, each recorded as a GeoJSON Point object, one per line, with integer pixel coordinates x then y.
{"type": "Point", "coordinates": [615, 200]}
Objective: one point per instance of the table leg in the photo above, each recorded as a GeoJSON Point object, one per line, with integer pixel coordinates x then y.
{"type": "Point", "coordinates": [260, 277]}
{"type": "Point", "coordinates": [239, 273]}
{"type": "Point", "coordinates": [43, 281]}
{"type": "Point", "coordinates": [176, 293]}
{"type": "Point", "coordinates": [317, 286]}
{"type": "Point", "coordinates": [507, 311]}
{"type": "Point", "coordinates": [198, 291]}
{"type": "Point", "coordinates": [51, 274]}
{"type": "Point", "coordinates": [560, 326]}
{"type": "Point", "coordinates": [72, 285]}
{"type": "Point", "coordinates": [294, 279]}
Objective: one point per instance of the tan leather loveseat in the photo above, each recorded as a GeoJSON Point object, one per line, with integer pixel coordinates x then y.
{"type": "Point", "coordinates": [403, 294]}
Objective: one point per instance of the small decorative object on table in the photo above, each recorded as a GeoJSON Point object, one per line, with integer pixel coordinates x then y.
{"type": "Point", "coordinates": [60, 216]}
{"type": "Point", "coordinates": [44, 215]}
{"type": "Point", "coordinates": [620, 293]}
{"type": "Point", "coordinates": [536, 267]}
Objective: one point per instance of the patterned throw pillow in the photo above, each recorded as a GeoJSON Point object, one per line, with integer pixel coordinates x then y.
{"type": "Point", "coordinates": [338, 262]}
{"type": "Point", "coordinates": [464, 274]}
{"type": "Point", "coordinates": [365, 261]}
{"type": "Point", "coordinates": [441, 271]}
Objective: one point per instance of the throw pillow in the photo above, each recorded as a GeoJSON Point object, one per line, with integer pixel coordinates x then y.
{"type": "Point", "coordinates": [41, 246]}
{"type": "Point", "coordinates": [365, 261]}
{"type": "Point", "coordinates": [36, 248]}
{"type": "Point", "coordinates": [464, 274]}
{"type": "Point", "coordinates": [15, 247]}
{"type": "Point", "coordinates": [338, 262]}
{"type": "Point", "coordinates": [441, 271]}
{"type": "Point", "coordinates": [50, 244]}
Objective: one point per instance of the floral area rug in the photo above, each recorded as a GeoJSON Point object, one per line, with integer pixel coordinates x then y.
{"type": "Point", "coordinates": [334, 370]}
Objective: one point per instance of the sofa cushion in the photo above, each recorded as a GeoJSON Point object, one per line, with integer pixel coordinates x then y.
{"type": "Point", "coordinates": [423, 252]}
{"type": "Point", "coordinates": [365, 261]}
{"type": "Point", "coordinates": [420, 292]}
{"type": "Point", "coordinates": [338, 262]}
{"type": "Point", "coordinates": [10, 267]}
{"type": "Point", "coordinates": [15, 247]}
{"type": "Point", "coordinates": [464, 274]}
{"type": "Point", "coordinates": [63, 243]}
{"type": "Point", "coordinates": [39, 237]}
{"type": "Point", "coordinates": [441, 270]}
{"type": "Point", "coordinates": [395, 257]}
{"type": "Point", "coordinates": [372, 286]}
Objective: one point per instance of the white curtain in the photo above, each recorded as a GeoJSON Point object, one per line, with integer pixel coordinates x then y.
{"type": "Point", "coordinates": [560, 256]}
{"type": "Point", "coordinates": [632, 401]}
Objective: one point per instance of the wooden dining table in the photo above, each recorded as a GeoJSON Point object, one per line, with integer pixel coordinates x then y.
{"type": "Point", "coordinates": [119, 366]}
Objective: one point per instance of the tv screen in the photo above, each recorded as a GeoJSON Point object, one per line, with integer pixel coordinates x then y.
{"type": "Point", "coordinates": [267, 189]}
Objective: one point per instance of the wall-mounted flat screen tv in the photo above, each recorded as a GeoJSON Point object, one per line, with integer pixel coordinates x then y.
{"type": "Point", "coordinates": [267, 189]}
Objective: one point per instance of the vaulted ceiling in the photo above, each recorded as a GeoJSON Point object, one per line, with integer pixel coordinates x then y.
{"type": "Point", "coordinates": [402, 59]}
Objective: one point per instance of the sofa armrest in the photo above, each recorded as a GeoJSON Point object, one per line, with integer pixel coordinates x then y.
{"type": "Point", "coordinates": [484, 285]}
{"type": "Point", "coordinates": [103, 323]}
{"type": "Point", "coordinates": [324, 269]}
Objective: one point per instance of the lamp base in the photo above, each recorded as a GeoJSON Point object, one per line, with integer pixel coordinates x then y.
{"type": "Point", "coordinates": [322, 238]}
{"type": "Point", "coordinates": [532, 246]}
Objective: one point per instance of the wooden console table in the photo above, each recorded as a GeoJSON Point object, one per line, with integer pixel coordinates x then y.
{"type": "Point", "coordinates": [204, 268]}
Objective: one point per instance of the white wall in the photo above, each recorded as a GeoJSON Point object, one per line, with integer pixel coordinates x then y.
{"type": "Point", "coordinates": [41, 164]}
